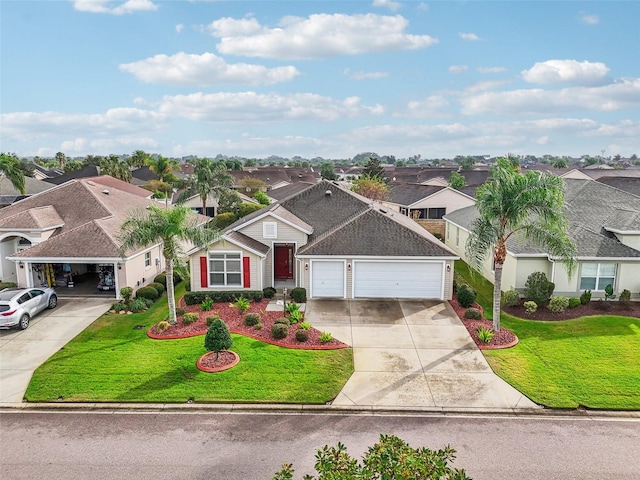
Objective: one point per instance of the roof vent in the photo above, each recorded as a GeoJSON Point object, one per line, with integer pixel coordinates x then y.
{"type": "Point", "coordinates": [105, 191]}
{"type": "Point", "coordinates": [328, 193]}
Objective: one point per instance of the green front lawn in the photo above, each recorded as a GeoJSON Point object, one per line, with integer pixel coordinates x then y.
{"type": "Point", "coordinates": [111, 361]}
{"type": "Point", "coordinates": [590, 361]}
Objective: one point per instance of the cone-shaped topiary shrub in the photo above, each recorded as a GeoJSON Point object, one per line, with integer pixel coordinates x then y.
{"type": "Point", "coordinates": [218, 337]}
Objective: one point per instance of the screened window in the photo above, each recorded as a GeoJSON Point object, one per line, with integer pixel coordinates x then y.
{"type": "Point", "coordinates": [225, 269]}
{"type": "Point", "coordinates": [147, 259]}
{"type": "Point", "coordinates": [428, 213]}
{"type": "Point", "coordinates": [596, 276]}
{"type": "Point", "coordinates": [270, 230]}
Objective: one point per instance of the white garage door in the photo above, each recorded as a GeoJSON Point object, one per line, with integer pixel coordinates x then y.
{"type": "Point", "coordinates": [397, 280]}
{"type": "Point", "coordinates": [327, 279]}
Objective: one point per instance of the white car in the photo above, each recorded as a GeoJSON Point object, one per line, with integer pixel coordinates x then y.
{"type": "Point", "coordinates": [19, 305]}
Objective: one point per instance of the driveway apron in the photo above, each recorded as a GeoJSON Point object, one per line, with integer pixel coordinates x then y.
{"type": "Point", "coordinates": [22, 351]}
{"type": "Point", "coordinates": [411, 354]}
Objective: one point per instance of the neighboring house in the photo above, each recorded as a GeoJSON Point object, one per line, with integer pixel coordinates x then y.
{"type": "Point", "coordinates": [275, 177]}
{"type": "Point", "coordinates": [628, 184]}
{"type": "Point", "coordinates": [74, 227]}
{"type": "Point", "coordinates": [85, 172]}
{"type": "Point", "coordinates": [288, 190]}
{"type": "Point", "coordinates": [604, 223]}
{"type": "Point", "coordinates": [9, 194]}
{"type": "Point", "coordinates": [427, 204]}
{"type": "Point", "coordinates": [331, 241]}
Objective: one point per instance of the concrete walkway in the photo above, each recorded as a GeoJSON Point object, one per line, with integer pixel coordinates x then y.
{"type": "Point", "coordinates": [22, 351]}
{"type": "Point", "coordinates": [411, 354]}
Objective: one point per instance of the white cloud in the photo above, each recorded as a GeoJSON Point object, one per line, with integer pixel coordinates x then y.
{"type": "Point", "coordinates": [470, 37]}
{"type": "Point", "coordinates": [365, 75]}
{"type": "Point", "coordinates": [485, 70]}
{"type": "Point", "coordinates": [423, 6]}
{"type": "Point", "coordinates": [458, 68]}
{"type": "Point", "coordinates": [114, 8]}
{"type": "Point", "coordinates": [429, 107]}
{"type": "Point", "coordinates": [390, 4]}
{"type": "Point", "coordinates": [318, 36]}
{"type": "Point", "coordinates": [179, 28]}
{"type": "Point", "coordinates": [254, 146]}
{"type": "Point", "coordinates": [554, 72]}
{"type": "Point", "coordinates": [622, 94]}
{"type": "Point", "coordinates": [252, 107]}
{"type": "Point", "coordinates": [589, 19]}
{"type": "Point", "coordinates": [204, 70]}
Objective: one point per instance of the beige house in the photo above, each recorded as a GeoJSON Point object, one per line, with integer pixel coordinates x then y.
{"type": "Point", "coordinates": [66, 237]}
{"type": "Point", "coordinates": [332, 242]}
{"type": "Point", "coordinates": [605, 227]}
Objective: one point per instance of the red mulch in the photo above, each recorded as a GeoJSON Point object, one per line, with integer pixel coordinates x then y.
{"type": "Point", "coordinates": [210, 362]}
{"type": "Point", "coordinates": [595, 307]}
{"type": "Point", "coordinates": [234, 320]}
{"type": "Point", "coordinates": [502, 339]}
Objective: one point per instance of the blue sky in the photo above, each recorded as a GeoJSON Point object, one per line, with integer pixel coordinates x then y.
{"type": "Point", "coordinates": [316, 78]}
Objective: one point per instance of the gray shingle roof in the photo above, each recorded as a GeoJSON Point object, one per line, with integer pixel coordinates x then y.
{"type": "Point", "coordinates": [408, 193]}
{"type": "Point", "coordinates": [288, 190]}
{"type": "Point", "coordinates": [249, 242]}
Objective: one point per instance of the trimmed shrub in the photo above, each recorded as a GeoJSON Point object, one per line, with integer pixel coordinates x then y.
{"type": "Point", "coordinates": [147, 292]}
{"type": "Point", "coordinates": [283, 320]}
{"type": "Point", "coordinates": [251, 319]}
{"type": "Point", "coordinates": [279, 330]}
{"type": "Point", "coordinates": [163, 325]}
{"type": "Point", "coordinates": [246, 208]}
{"type": "Point", "coordinates": [269, 292]}
{"type": "Point", "coordinates": [189, 318]}
{"type": "Point", "coordinates": [585, 297]}
{"type": "Point", "coordinates": [179, 311]}
{"type": "Point", "coordinates": [530, 306]}
{"type": "Point", "coordinates": [159, 287]}
{"type": "Point", "coordinates": [211, 318]}
{"type": "Point", "coordinates": [302, 335]}
{"type": "Point", "coordinates": [538, 288]}
{"type": "Point", "coordinates": [299, 294]}
{"type": "Point", "coordinates": [304, 326]}
{"type": "Point", "coordinates": [162, 279]}
{"type": "Point", "coordinates": [193, 298]}
{"type": "Point", "coordinates": [574, 302]}
{"type": "Point", "coordinates": [126, 293]}
{"type": "Point", "coordinates": [625, 296]}
{"type": "Point", "coordinates": [472, 313]}
{"type": "Point", "coordinates": [137, 305]}
{"type": "Point", "coordinates": [258, 326]}
{"type": "Point", "coordinates": [223, 220]}
{"type": "Point", "coordinates": [484, 334]}
{"type": "Point", "coordinates": [119, 307]}
{"type": "Point", "coordinates": [325, 337]}
{"type": "Point", "coordinates": [457, 281]}
{"type": "Point", "coordinates": [558, 304]}
{"type": "Point", "coordinates": [466, 295]}
{"type": "Point", "coordinates": [511, 298]}
{"type": "Point", "coordinates": [218, 337]}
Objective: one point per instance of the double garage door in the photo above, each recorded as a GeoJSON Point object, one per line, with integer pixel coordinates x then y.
{"type": "Point", "coordinates": [378, 279]}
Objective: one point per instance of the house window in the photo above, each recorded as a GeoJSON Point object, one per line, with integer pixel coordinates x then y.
{"type": "Point", "coordinates": [428, 213]}
{"type": "Point", "coordinates": [225, 269]}
{"type": "Point", "coordinates": [596, 276]}
{"type": "Point", "coordinates": [147, 259]}
{"type": "Point", "coordinates": [270, 230]}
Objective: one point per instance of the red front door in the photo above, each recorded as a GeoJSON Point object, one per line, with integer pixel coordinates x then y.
{"type": "Point", "coordinates": [283, 268]}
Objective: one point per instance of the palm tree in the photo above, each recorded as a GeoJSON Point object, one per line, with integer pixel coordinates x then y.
{"type": "Point", "coordinates": [164, 168]}
{"type": "Point", "coordinates": [11, 168]}
{"type": "Point", "coordinates": [139, 158]}
{"type": "Point", "coordinates": [529, 205]}
{"type": "Point", "coordinates": [209, 178]}
{"type": "Point", "coordinates": [61, 158]}
{"type": "Point", "coordinates": [113, 166]}
{"type": "Point", "coordinates": [172, 228]}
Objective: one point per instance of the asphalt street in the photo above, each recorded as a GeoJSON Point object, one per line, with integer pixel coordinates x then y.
{"type": "Point", "coordinates": [193, 445]}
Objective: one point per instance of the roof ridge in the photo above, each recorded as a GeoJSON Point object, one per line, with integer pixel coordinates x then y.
{"type": "Point", "coordinates": [344, 223]}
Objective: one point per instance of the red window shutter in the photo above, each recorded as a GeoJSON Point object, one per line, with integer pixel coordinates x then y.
{"type": "Point", "coordinates": [204, 272]}
{"type": "Point", "coordinates": [246, 273]}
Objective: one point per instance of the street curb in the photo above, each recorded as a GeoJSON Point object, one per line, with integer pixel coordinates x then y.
{"type": "Point", "coordinates": [299, 409]}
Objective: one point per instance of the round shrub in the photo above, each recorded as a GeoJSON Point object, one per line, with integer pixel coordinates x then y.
{"type": "Point", "coordinates": [585, 297]}
{"type": "Point", "coordinates": [158, 286]}
{"type": "Point", "coordinates": [179, 311]}
{"type": "Point", "coordinates": [268, 292]}
{"type": "Point", "coordinates": [558, 304]}
{"type": "Point", "coordinates": [538, 288]}
{"type": "Point", "coordinates": [162, 279]}
{"type": "Point", "coordinates": [279, 330]}
{"type": "Point", "coordinates": [189, 318]}
{"type": "Point", "coordinates": [283, 321]}
{"type": "Point", "coordinates": [162, 326]}
{"type": "Point", "coordinates": [510, 298]}
{"type": "Point", "coordinates": [466, 296]}
{"type": "Point", "coordinates": [574, 302]}
{"type": "Point", "coordinates": [302, 335]}
{"type": "Point", "coordinates": [251, 319]}
{"type": "Point", "coordinates": [137, 305]}
{"type": "Point", "coordinates": [472, 313]}
{"type": "Point", "coordinates": [147, 292]}
{"type": "Point", "coordinates": [530, 306]}
{"type": "Point", "coordinates": [299, 294]}
{"type": "Point", "coordinates": [211, 318]}
{"type": "Point", "coordinates": [218, 337]}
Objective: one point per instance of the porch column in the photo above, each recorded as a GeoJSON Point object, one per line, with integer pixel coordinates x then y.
{"type": "Point", "coordinates": [116, 280]}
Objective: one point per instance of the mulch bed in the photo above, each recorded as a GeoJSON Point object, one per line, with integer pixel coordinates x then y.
{"type": "Point", "coordinates": [234, 319]}
{"type": "Point", "coordinates": [595, 307]}
{"type": "Point", "coordinates": [211, 363]}
{"type": "Point", "coordinates": [502, 339]}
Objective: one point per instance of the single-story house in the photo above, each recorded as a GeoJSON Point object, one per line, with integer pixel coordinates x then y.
{"type": "Point", "coordinates": [332, 242]}
{"type": "Point", "coordinates": [67, 235]}
{"type": "Point", "coordinates": [604, 223]}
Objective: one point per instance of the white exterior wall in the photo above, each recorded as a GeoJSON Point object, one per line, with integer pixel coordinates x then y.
{"type": "Point", "coordinates": [447, 198]}
{"type": "Point", "coordinates": [629, 278]}
{"type": "Point", "coordinates": [134, 274]}
{"type": "Point", "coordinates": [255, 267]}
{"type": "Point", "coordinates": [196, 202]}
{"type": "Point", "coordinates": [525, 266]}
{"type": "Point", "coordinates": [632, 241]}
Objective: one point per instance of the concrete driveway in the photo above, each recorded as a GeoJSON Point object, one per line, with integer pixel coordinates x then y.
{"type": "Point", "coordinates": [22, 351]}
{"type": "Point", "coordinates": [411, 354]}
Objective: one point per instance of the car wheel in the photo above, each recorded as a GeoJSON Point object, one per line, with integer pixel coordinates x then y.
{"type": "Point", "coordinates": [24, 322]}
{"type": "Point", "coordinates": [53, 302]}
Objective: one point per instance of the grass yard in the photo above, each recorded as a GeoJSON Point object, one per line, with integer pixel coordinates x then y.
{"type": "Point", "coordinates": [589, 361]}
{"type": "Point", "coordinates": [111, 361]}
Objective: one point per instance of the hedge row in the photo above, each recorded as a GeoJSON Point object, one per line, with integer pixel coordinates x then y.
{"type": "Point", "coordinates": [194, 298]}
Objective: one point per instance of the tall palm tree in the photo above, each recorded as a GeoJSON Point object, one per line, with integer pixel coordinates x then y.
{"type": "Point", "coordinates": [209, 178]}
{"type": "Point", "coordinates": [530, 205]}
{"type": "Point", "coordinates": [61, 158]}
{"type": "Point", "coordinates": [139, 158]}
{"type": "Point", "coordinates": [11, 168]}
{"type": "Point", "coordinates": [113, 166]}
{"type": "Point", "coordinates": [172, 228]}
{"type": "Point", "coordinates": [164, 167]}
